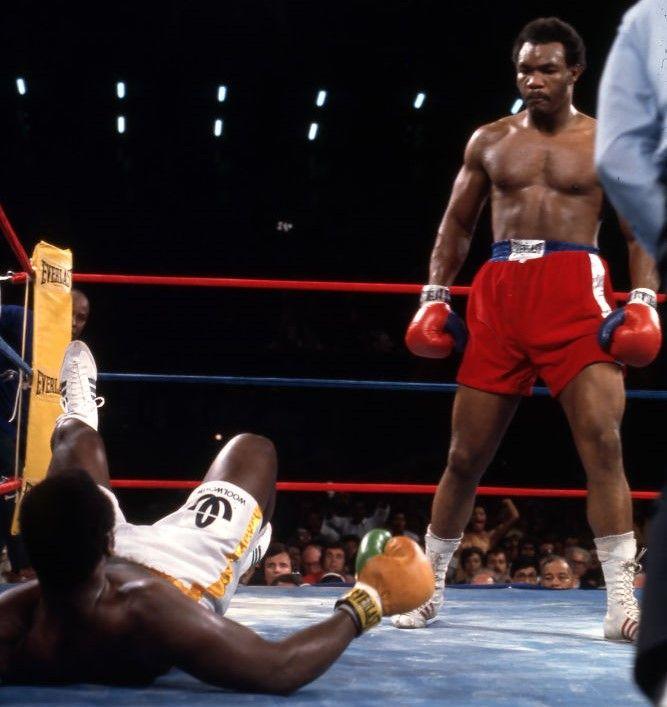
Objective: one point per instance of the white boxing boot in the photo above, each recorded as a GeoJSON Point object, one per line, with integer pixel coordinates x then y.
{"type": "Point", "coordinates": [617, 557]}
{"type": "Point", "coordinates": [78, 384]}
{"type": "Point", "coordinates": [439, 551]}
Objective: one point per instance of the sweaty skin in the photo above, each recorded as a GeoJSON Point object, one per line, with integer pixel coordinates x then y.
{"type": "Point", "coordinates": [140, 627]}
{"type": "Point", "coordinates": [537, 167]}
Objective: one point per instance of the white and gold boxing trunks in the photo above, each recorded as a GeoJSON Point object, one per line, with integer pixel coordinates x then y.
{"type": "Point", "coordinates": [202, 548]}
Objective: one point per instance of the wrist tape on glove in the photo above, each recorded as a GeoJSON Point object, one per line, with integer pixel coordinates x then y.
{"type": "Point", "coordinates": [643, 295]}
{"type": "Point", "coordinates": [363, 604]}
{"type": "Point", "coordinates": [435, 293]}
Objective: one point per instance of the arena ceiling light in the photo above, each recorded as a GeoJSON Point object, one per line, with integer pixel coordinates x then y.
{"type": "Point", "coordinates": [321, 98]}
{"type": "Point", "coordinates": [516, 106]}
{"type": "Point", "coordinates": [120, 89]}
{"type": "Point", "coordinates": [312, 131]}
{"type": "Point", "coordinates": [419, 100]}
{"type": "Point", "coordinates": [217, 127]}
{"type": "Point", "coordinates": [222, 93]}
{"type": "Point", "coordinates": [120, 124]}
{"type": "Point", "coordinates": [20, 86]}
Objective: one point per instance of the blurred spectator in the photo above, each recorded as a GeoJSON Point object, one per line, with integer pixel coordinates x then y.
{"type": "Point", "coordinates": [311, 566]}
{"type": "Point", "coordinates": [471, 561]}
{"type": "Point", "coordinates": [358, 522]}
{"type": "Point", "coordinates": [333, 578]}
{"type": "Point", "coordinates": [524, 572]}
{"type": "Point", "coordinates": [295, 555]}
{"type": "Point", "coordinates": [293, 579]}
{"type": "Point", "coordinates": [546, 548]}
{"type": "Point", "coordinates": [527, 548]}
{"type": "Point", "coordinates": [557, 573]}
{"type": "Point", "coordinates": [593, 578]}
{"type": "Point", "coordinates": [496, 561]}
{"type": "Point", "coordinates": [334, 561]}
{"type": "Point", "coordinates": [320, 532]}
{"type": "Point", "coordinates": [351, 545]}
{"type": "Point", "coordinates": [484, 576]}
{"type": "Point", "coordinates": [510, 545]}
{"type": "Point", "coordinates": [476, 534]}
{"type": "Point", "coordinates": [571, 541]}
{"type": "Point", "coordinates": [579, 560]}
{"type": "Point", "coordinates": [301, 538]}
{"type": "Point", "coordinates": [277, 561]}
{"type": "Point", "coordinates": [398, 526]}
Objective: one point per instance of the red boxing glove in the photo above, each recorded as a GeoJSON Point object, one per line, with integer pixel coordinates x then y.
{"type": "Point", "coordinates": [435, 329]}
{"type": "Point", "coordinates": [632, 333]}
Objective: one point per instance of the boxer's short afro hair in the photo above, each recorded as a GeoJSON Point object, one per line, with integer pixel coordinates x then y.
{"type": "Point", "coordinates": [551, 29]}
{"type": "Point", "coordinates": [65, 522]}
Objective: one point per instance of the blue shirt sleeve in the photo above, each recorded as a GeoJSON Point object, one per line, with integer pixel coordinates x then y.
{"type": "Point", "coordinates": [631, 130]}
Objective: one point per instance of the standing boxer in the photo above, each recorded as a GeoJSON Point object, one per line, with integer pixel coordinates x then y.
{"type": "Point", "coordinates": [541, 306]}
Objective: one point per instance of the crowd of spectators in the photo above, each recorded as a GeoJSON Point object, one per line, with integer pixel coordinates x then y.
{"type": "Point", "coordinates": [533, 545]}
{"type": "Point", "coordinates": [322, 549]}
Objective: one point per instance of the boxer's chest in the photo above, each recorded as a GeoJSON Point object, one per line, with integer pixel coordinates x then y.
{"type": "Point", "coordinates": [563, 163]}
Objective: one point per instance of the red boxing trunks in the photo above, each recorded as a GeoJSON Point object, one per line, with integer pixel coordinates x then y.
{"type": "Point", "coordinates": [534, 310]}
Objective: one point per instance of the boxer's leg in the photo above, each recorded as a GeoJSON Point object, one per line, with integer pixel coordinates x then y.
{"type": "Point", "coordinates": [479, 422]}
{"type": "Point", "coordinates": [249, 461]}
{"type": "Point", "coordinates": [76, 445]}
{"type": "Point", "coordinates": [594, 402]}
{"type": "Point", "coordinates": [75, 442]}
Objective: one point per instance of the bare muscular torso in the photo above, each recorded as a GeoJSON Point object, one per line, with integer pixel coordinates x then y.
{"type": "Point", "coordinates": [542, 185]}
{"type": "Point", "coordinates": [102, 642]}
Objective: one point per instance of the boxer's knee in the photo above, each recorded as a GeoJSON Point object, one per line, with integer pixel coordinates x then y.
{"type": "Point", "coordinates": [465, 464]}
{"type": "Point", "coordinates": [604, 450]}
{"type": "Point", "coordinates": [257, 446]}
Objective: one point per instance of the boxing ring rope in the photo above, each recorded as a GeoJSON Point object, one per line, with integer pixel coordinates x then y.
{"type": "Point", "coordinates": [385, 288]}
{"type": "Point", "coordinates": [343, 383]}
{"type": "Point", "coordinates": [350, 487]}
{"type": "Point", "coordinates": [301, 285]}
{"type": "Point", "coordinates": [14, 243]}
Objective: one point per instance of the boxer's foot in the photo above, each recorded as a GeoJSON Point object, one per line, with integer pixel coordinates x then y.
{"type": "Point", "coordinates": [424, 614]}
{"type": "Point", "coordinates": [417, 618]}
{"type": "Point", "coordinates": [622, 620]}
{"type": "Point", "coordinates": [78, 382]}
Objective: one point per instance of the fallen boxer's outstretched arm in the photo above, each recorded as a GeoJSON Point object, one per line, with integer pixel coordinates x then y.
{"type": "Point", "coordinates": [224, 653]}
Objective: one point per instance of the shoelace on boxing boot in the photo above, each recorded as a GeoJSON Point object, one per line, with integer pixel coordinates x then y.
{"type": "Point", "coordinates": [622, 590]}
{"type": "Point", "coordinates": [80, 385]}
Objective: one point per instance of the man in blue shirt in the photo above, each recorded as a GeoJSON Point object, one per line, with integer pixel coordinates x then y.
{"type": "Point", "coordinates": [631, 139]}
{"type": "Point", "coordinates": [631, 157]}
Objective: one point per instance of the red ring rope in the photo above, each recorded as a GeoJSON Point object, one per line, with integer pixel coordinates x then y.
{"type": "Point", "coordinates": [14, 242]}
{"type": "Point", "coordinates": [394, 288]}
{"type": "Point", "coordinates": [380, 488]}
{"type": "Point", "coordinates": [345, 487]}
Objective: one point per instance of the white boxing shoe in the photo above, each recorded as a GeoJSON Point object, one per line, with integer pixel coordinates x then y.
{"type": "Point", "coordinates": [622, 620]}
{"type": "Point", "coordinates": [78, 385]}
{"type": "Point", "coordinates": [427, 612]}
{"type": "Point", "coordinates": [417, 618]}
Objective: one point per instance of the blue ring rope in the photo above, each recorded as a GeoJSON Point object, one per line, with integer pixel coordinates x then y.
{"type": "Point", "coordinates": [276, 382]}
{"type": "Point", "coordinates": [9, 352]}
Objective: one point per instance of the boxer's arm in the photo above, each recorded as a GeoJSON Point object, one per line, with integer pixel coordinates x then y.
{"type": "Point", "coordinates": [470, 191]}
{"type": "Point", "coordinates": [224, 653]}
{"type": "Point", "coordinates": [500, 531]}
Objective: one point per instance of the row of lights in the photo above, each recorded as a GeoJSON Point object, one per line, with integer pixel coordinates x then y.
{"type": "Point", "coordinates": [218, 123]}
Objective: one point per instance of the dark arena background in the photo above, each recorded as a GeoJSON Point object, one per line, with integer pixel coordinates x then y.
{"type": "Point", "coordinates": [360, 202]}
